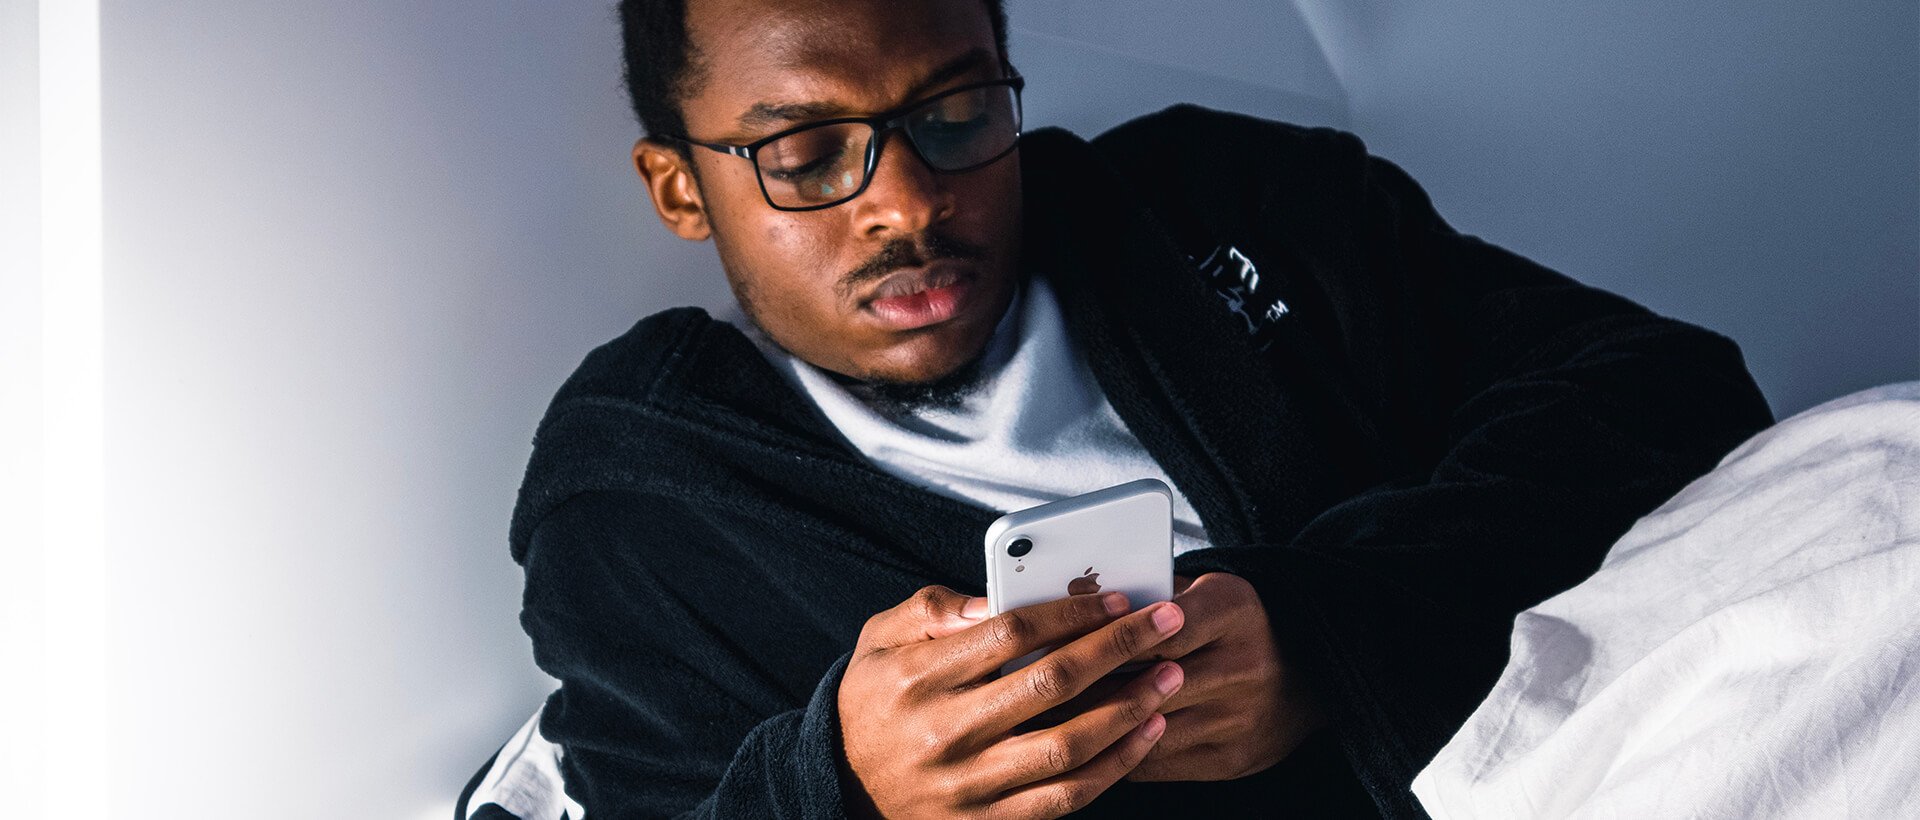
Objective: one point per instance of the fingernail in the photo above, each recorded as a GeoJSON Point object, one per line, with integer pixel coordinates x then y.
{"type": "Point", "coordinates": [1168, 678]}
{"type": "Point", "coordinates": [974, 609]}
{"type": "Point", "coordinates": [1166, 618]}
{"type": "Point", "coordinates": [1155, 725]}
{"type": "Point", "coordinates": [1115, 602]}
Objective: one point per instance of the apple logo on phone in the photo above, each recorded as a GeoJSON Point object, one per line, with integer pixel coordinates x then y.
{"type": "Point", "coordinates": [1086, 584]}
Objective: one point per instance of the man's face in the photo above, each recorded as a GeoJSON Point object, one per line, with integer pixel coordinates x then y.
{"type": "Point", "coordinates": [904, 283]}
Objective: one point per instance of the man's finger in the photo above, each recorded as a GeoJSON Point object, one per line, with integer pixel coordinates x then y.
{"type": "Point", "coordinates": [1207, 602]}
{"type": "Point", "coordinates": [980, 650]}
{"type": "Point", "coordinates": [1072, 791]}
{"type": "Point", "coordinates": [972, 612]}
{"type": "Point", "coordinates": [1088, 698]}
{"type": "Point", "coordinates": [932, 612]}
{"type": "Point", "coordinates": [1178, 755]}
{"type": "Point", "coordinates": [1065, 672]}
{"type": "Point", "coordinates": [1034, 756]}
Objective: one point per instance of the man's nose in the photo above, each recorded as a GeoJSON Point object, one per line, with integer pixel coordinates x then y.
{"type": "Point", "coordinates": [904, 196]}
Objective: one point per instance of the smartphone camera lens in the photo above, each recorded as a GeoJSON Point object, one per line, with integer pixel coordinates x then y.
{"type": "Point", "coordinates": [1019, 547]}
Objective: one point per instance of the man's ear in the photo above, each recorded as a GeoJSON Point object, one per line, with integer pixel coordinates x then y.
{"type": "Point", "coordinates": [676, 196]}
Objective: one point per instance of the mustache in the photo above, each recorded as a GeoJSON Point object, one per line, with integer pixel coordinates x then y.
{"type": "Point", "coordinates": [902, 253]}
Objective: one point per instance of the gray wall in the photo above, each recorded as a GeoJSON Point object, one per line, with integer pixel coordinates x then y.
{"type": "Point", "coordinates": [353, 247]}
{"type": "Point", "coordinates": [1751, 167]}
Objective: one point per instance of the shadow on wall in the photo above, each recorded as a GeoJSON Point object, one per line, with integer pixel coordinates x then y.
{"type": "Point", "coordinates": [1095, 65]}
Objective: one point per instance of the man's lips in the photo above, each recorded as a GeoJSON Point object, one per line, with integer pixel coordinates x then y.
{"type": "Point", "coordinates": [917, 297]}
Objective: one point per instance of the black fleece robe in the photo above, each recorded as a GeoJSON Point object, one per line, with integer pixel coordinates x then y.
{"type": "Point", "coordinates": [1422, 435]}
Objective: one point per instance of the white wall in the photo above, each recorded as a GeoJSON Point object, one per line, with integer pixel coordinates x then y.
{"type": "Point", "coordinates": [353, 247]}
{"type": "Point", "coordinates": [22, 584]}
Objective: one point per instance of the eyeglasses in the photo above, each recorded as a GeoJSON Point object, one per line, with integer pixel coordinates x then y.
{"type": "Point", "coordinates": [822, 164]}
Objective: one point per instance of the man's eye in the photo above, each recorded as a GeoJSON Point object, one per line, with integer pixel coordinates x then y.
{"type": "Point", "coordinates": [957, 114]}
{"type": "Point", "coordinates": [814, 167]}
{"type": "Point", "coordinates": [940, 136]}
{"type": "Point", "coordinates": [950, 126]}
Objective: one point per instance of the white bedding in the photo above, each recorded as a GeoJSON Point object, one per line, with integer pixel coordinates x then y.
{"type": "Point", "coordinates": [1747, 650]}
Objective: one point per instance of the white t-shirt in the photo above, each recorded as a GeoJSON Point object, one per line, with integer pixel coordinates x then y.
{"type": "Point", "coordinates": [1036, 429]}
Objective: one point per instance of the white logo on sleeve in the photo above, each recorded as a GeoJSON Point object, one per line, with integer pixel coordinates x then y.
{"type": "Point", "coordinates": [1237, 282]}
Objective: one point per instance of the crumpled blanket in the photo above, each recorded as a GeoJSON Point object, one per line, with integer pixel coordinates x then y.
{"type": "Point", "coordinates": [1748, 650]}
{"type": "Point", "coordinates": [522, 781]}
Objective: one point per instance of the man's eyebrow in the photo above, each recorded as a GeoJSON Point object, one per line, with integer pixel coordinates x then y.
{"type": "Point", "coordinates": [956, 67]}
{"type": "Point", "coordinates": [763, 114]}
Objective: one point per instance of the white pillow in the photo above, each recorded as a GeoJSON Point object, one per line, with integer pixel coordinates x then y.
{"type": "Point", "coordinates": [1750, 649]}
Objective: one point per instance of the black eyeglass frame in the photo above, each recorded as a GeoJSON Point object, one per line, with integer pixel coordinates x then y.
{"type": "Point", "coordinates": [879, 124]}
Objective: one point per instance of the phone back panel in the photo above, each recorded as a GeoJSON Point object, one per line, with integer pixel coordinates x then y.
{"type": "Point", "coordinates": [1119, 538]}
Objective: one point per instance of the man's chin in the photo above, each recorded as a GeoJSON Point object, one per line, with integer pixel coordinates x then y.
{"type": "Point", "coordinates": [898, 395]}
{"type": "Point", "coordinates": [906, 398]}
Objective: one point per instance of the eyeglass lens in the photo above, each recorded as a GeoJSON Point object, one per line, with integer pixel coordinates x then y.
{"type": "Point", "coordinates": [827, 164]}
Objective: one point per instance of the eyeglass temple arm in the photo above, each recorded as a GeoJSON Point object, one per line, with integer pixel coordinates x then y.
{"type": "Point", "coordinates": [734, 150]}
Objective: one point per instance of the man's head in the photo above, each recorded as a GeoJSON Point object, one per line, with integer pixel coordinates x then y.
{"type": "Point", "coordinates": [901, 284]}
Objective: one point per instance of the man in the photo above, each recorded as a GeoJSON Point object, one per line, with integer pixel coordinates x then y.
{"type": "Point", "coordinates": [753, 552]}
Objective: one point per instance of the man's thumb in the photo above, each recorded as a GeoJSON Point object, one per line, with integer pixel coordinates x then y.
{"type": "Point", "coordinates": [971, 610]}
{"type": "Point", "coordinates": [933, 612]}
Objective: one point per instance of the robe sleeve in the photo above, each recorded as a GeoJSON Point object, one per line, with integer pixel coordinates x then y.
{"type": "Point", "coordinates": [657, 713]}
{"type": "Point", "coordinates": [1563, 414]}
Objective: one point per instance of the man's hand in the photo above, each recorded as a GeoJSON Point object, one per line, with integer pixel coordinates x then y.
{"type": "Point", "coordinates": [1240, 711]}
{"type": "Point", "coordinates": [927, 728]}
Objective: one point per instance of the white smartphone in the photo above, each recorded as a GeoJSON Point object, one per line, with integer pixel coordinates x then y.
{"type": "Point", "coordinates": [1119, 538]}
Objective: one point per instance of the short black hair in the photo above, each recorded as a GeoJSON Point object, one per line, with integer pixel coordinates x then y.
{"type": "Point", "coordinates": [661, 66]}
